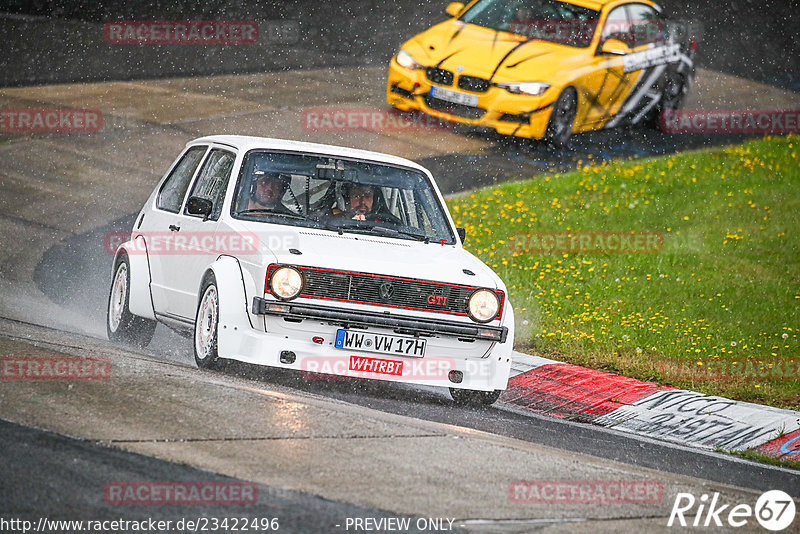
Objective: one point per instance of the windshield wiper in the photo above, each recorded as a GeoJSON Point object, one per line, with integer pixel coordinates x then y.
{"type": "Point", "coordinates": [394, 231]}
{"type": "Point", "coordinates": [347, 226]}
{"type": "Point", "coordinates": [374, 228]}
{"type": "Point", "coordinates": [271, 211]}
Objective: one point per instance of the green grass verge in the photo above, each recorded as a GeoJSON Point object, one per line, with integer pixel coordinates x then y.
{"type": "Point", "coordinates": [751, 454]}
{"type": "Point", "coordinates": [724, 288]}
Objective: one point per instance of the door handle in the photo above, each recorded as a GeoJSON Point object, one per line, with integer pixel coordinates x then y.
{"type": "Point", "coordinates": [173, 228]}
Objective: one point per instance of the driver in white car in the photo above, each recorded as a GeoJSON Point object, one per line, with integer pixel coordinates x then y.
{"type": "Point", "coordinates": [362, 202]}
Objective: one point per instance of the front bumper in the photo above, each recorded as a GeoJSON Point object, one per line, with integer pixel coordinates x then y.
{"type": "Point", "coordinates": [507, 113]}
{"type": "Point", "coordinates": [303, 338]}
{"type": "Point", "coordinates": [400, 325]}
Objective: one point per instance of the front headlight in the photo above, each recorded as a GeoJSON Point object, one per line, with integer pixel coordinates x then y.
{"type": "Point", "coordinates": [405, 60]}
{"type": "Point", "coordinates": [483, 305]}
{"type": "Point", "coordinates": [286, 283]}
{"type": "Point", "coordinates": [525, 88]}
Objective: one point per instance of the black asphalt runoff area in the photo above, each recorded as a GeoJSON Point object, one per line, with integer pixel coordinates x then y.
{"type": "Point", "coordinates": [45, 475]}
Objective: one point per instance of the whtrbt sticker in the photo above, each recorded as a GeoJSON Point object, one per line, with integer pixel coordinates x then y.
{"type": "Point", "coordinates": [376, 365]}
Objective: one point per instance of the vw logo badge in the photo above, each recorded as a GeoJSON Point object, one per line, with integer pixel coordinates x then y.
{"type": "Point", "coordinates": [386, 290]}
{"type": "Point", "coordinates": [460, 68]}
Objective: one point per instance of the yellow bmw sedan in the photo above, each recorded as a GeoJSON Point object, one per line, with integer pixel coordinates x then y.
{"type": "Point", "coordinates": [545, 69]}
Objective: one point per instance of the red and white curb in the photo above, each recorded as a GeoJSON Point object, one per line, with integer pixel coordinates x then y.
{"type": "Point", "coordinates": [677, 415]}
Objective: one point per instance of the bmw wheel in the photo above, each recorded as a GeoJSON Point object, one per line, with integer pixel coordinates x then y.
{"type": "Point", "coordinates": [562, 118]}
{"type": "Point", "coordinates": [121, 325]}
{"type": "Point", "coordinates": [468, 397]}
{"type": "Point", "coordinates": [206, 323]}
{"type": "Point", "coordinates": [672, 98]}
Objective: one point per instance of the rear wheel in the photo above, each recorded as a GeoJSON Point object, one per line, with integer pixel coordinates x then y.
{"type": "Point", "coordinates": [468, 397]}
{"type": "Point", "coordinates": [562, 118]}
{"type": "Point", "coordinates": [671, 99]}
{"type": "Point", "coordinates": [121, 325]}
{"type": "Point", "coordinates": [206, 323]}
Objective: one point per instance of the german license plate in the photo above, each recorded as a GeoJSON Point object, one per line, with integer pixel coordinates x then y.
{"type": "Point", "coordinates": [455, 97]}
{"type": "Point", "coordinates": [369, 342]}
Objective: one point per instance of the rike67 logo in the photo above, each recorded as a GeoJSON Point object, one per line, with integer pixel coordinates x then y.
{"type": "Point", "coordinates": [774, 510]}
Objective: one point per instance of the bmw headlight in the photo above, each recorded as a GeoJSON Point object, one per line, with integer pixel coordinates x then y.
{"type": "Point", "coordinates": [405, 60]}
{"type": "Point", "coordinates": [287, 283]}
{"type": "Point", "coordinates": [483, 305]}
{"type": "Point", "coordinates": [525, 88]}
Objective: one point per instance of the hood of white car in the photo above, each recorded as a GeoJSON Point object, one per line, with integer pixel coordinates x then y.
{"type": "Point", "coordinates": [370, 254]}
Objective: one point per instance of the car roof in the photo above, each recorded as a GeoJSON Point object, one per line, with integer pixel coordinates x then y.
{"type": "Point", "coordinates": [599, 4]}
{"type": "Point", "coordinates": [246, 142]}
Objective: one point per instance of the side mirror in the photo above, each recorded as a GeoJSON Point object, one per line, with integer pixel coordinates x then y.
{"type": "Point", "coordinates": [454, 8]}
{"type": "Point", "coordinates": [199, 206]}
{"type": "Point", "coordinates": [462, 234]}
{"type": "Point", "coordinates": [614, 47]}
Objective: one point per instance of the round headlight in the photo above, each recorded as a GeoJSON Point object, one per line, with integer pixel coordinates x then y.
{"type": "Point", "coordinates": [483, 305]}
{"type": "Point", "coordinates": [286, 283]}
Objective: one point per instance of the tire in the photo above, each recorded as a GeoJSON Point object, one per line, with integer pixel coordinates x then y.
{"type": "Point", "coordinates": [672, 99]}
{"type": "Point", "coordinates": [206, 322]}
{"type": "Point", "coordinates": [121, 325]}
{"type": "Point", "coordinates": [562, 118]}
{"type": "Point", "coordinates": [468, 397]}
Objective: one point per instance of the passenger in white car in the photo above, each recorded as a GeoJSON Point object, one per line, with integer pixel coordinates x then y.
{"type": "Point", "coordinates": [267, 190]}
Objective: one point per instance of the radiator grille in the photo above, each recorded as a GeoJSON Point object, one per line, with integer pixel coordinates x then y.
{"type": "Point", "coordinates": [365, 288]}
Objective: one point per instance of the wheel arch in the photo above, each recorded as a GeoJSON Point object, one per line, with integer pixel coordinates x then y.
{"type": "Point", "coordinates": [233, 285]}
{"type": "Point", "coordinates": [140, 299]}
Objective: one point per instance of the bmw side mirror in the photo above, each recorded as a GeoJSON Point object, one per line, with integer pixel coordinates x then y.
{"type": "Point", "coordinates": [199, 206]}
{"type": "Point", "coordinates": [462, 234]}
{"type": "Point", "coordinates": [454, 8]}
{"type": "Point", "coordinates": [615, 47]}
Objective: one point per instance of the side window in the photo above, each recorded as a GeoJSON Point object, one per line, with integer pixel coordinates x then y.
{"type": "Point", "coordinates": [618, 26]}
{"type": "Point", "coordinates": [172, 192]}
{"type": "Point", "coordinates": [213, 179]}
{"type": "Point", "coordinates": [646, 26]}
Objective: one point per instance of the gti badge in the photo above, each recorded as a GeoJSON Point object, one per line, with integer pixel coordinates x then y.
{"type": "Point", "coordinates": [440, 300]}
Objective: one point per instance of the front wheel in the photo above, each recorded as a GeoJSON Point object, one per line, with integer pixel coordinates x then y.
{"type": "Point", "coordinates": [468, 397]}
{"type": "Point", "coordinates": [121, 325]}
{"type": "Point", "coordinates": [562, 118]}
{"type": "Point", "coordinates": [205, 324]}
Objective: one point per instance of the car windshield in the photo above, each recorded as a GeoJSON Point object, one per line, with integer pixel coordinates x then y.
{"type": "Point", "coordinates": [340, 195]}
{"type": "Point", "coordinates": [544, 20]}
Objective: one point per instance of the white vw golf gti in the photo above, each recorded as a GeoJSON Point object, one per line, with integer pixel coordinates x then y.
{"type": "Point", "coordinates": [328, 260]}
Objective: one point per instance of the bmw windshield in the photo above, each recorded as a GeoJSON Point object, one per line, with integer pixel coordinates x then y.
{"type": "Point", "coordinates": [340, 195]}
{"type": "Point", "coordinates": [544, 20]}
